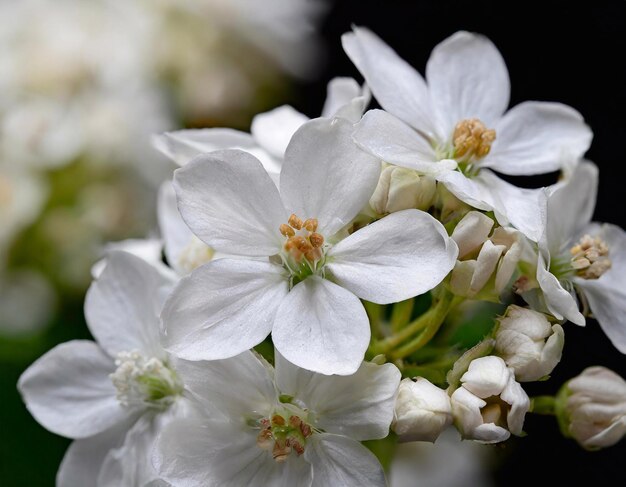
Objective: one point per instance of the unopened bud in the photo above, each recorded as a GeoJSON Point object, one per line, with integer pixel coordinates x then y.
{"type": "Point", "coordinates": [402, 189]}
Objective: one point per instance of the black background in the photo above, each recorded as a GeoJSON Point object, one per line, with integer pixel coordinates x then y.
{"type": "Point", "coordinates": [555, 51]}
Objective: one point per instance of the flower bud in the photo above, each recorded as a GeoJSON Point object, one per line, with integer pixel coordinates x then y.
{"type": "Point", "coordinates": [490, 404]}
{"type": "Point", "coordinates": [422, 411]}
{"type": "Point", "coordinates": [595, 408]}
{"type": "Point", "coordinates": [401, 189]}
{"type": "Point", "coordinates": [529, 343]}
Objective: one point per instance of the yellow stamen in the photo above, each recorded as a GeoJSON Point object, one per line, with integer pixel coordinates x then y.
{"type": "Point", "coordinates": [590, 257]}
{"type": "Point", "coordinates": [295, 222]}
{"type": "Point", "coordinates": [311, 224]}
{"type": "Point", "coordinates": [472, 138]}
{"type": "Point", "coordinates": [286, 230]}
{"type": "Point", "coordinates": [316, 240]}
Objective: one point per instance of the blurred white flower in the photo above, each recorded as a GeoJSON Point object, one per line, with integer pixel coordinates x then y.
{"type": "Point", "coordinates": [446, 123]}
{"type": "Point", "coordinates": [490, 404]}
{"type": "Point", "coordinates": [294, 278]}
{"type": "Point", "coordinates": [595, 408]}
{"type": "Point", "coordinates": [422, 411]}
{"type": "Point", "coordinates": [114, 396]}
{"type": "Point", "coordinates": [529, 343]}
{"type": "Point", "coordinates": [285, 426]}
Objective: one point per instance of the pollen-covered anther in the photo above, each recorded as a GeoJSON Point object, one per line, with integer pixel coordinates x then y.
{"type": "Point", "coordinates": [316, 240]}
{"type": "Point", "coordinates": [311, 224]}
{"type": "Point", "coordinates": [295, 222]}
{"type": "Point", "coordinates": [286, 230]}
{"type": "Point", "coordinates": [281, 436]}
{"type": "Point", "coordinates": [472, 138]}
{"type": "Point", "coordinates": [281, 451]}
{"type": "Point", "coordinates": [590, 257]}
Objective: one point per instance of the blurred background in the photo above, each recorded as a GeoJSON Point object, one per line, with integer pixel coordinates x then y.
{"type": "Point", "coordinates": [83, 85]}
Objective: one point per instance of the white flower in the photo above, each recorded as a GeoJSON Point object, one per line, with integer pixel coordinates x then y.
{"type": "Point", "coordinates": [294, 278]}
{"type": "Point", "coordinates": [455, 119]}
{"type": "Point", "coordinates": [529, 343]}
{"type": "Point", "coordinates": [490, 404]}
{"type": "Point", "coordinates": [483, 254]}
{"type": "Point", "coordinates": [270, 132]}
{"type": "Point", "coordinates": [285, 427]}
{"type": "Point", "coordinates": [595, 408]}
{"type": "Point", "coordinates": [114, 396]}
{"type": "Point", "coordinates": [422, 411]}
{"type": "Point", "coordinates": [578, 255]}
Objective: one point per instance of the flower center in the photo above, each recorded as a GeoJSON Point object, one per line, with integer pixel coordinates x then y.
{"type": "Point", "coordinates": [590, 257]}
{"type": "Point", "coordinates": [495, 411]}
{"type": "Point", "coordinates": [303, 250]}
{"type": "Point", "coordinates": [472, 140]}
{"type": "Point", "coordinates": [283, 433]}
{"type": "Point", "coordinates": [195, 254]}
{"type": "Point", "coordinates": [145, 382]}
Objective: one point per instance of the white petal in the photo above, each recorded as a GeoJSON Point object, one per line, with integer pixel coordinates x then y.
{"type": "Point", "coordinates": [514, 395]}
{"type": "Point", "coordinates": [338, 460]}
{"type": "Point", "coordinates": [345, 99]}
{"type": "Point", "coordinates": [184, 145]}
{"type": "Point", "coordinates": [467, 78]}
{"type": "Point", "coordinates": [490, 433]}
{"type": "Point", "coordinates": [322, 327]}
{"type": "Point", "coordinates": [523, 208]}
{"type": "Point", "coordinates": [222, 454]}
{"type": "Point", "coordinates": [223, 308]}
{"type": "Point", "coordinates": [486, 263]}
{"type": "Point", "coordinates": [486, 376]}
{"type": "Point", "coordinates": [392, 141]}
{"type": "Point", "coordinates": [273, 130]}
{"type": "Point", "coordinates": [69, 392]}
{"type": "Point", "coordinates": [609, 436]}
{"type": "Point", "coordinates": [398, 87]}
{"type": "Point", "coordinates": [235, 386]}
{"type": "Point", "coordinates": [148, 249]}
{"type": "Point", "coordinates": [176, 234]}
{"type": "Point", "coordinates": [536, 138]}
{"type": "Point", "coordinates": [561, 303]}
{"type": "Point", "coordinates": [607, 295]}
{"type": "Point", "coordinates": [471, 232]}
{"type": "Point", "coordinates": [230, 203]}
{"type": "Point", "coordinates": [404, 254]}
{"type": "Point", "coordinates": [326, 175]}
{"type": "Point", "coordinates": [570, 206]}
{"type": "Point", "coordinates": [122, 307]}
{"type": "Point", "coordinates": [359, 406]}
{"type": "Point", "coordinates": [83, 459]}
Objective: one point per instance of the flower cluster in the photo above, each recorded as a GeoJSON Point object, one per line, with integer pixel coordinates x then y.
{"type": "Point", "coordinates": [313, 278]}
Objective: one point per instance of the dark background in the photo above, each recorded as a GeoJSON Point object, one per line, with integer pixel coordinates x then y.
{"type": "Point", "coordinates": [555, 51]}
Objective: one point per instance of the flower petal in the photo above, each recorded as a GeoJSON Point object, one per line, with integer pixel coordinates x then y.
{"type": "Point", "coordinates": [176, 234]}
{"type": "Point", "coordinates": [201, 453]}
{"type": "Point", "coordinates": [467, 78]}
{"type": "Point", "coordinates": [404, 254]}
{"type": "Point", "coordinates": [69, 392]}
{"type": "Point", "coordinates": [345, 98]}
{"type": "Point", "coordinates": [273, 130]}
{"type": "Point", "coordinates": [83, 459]}
{"type": "Point", "coordinates": [122, 307]}
{"type": "Point", "coordinates": [211, 383]}
{"type": "Point", "coordinates": [230, 203]}
{"type": "Point", "coordinates": [338, 460]}
{"type": "Point", "coordinates": [398, 87]}
{"type": "Point", "coordinates": [359, 406]}
{"type": "Point", "coordinates": [570, 206]}
{"type": "Point", "coordinates": [560, 302]}
{"type": "Point", "coordinates": [322, 327]}
{"type": "Point", "coordinates": [392, 141]}
{"type": "Point", "coordinates": [607, 295]}
{"type": "Point", "coordinates": [537, 137]}
{"type": "Point", "coordinates": [223, 308]}
{"type": "Point", "coordinates": [326, 175]}
{"type": "Point", "coordinates": [486, 376]}
{"type": "Point", "coordinates": [184, 145]}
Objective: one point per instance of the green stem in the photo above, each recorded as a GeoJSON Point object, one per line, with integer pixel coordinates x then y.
{"type": "Point", "coordinates": [436, 319]}
{"type": "Point", "coordinates": [383, 346]}
{"type": "Point", "coordinates": [543, 405]}
{"type": "Point", "coordinates": [374, 313]}
{"type": "Point", "coordinates": [401, 314]}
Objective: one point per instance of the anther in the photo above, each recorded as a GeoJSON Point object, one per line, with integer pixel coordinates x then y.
{"type": "Point", "coordinates": [295, 222]}
{"type": "Point", "coordinates": [311, 224]}
{"type": "Point", "coordinates": [472, 138]}
{"type": "Point", "coordinates": [281, 451]}
{"type": "Point", "coordinates": [316, 240]}
{"type": "Point", "coordinates": [286, 230]}
{"type": "Point", "coordinates": [278, 420]}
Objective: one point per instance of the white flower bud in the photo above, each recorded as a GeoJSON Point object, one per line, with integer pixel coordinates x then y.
{"type": "Point", "coordinates": [402, 189]}
{"type": "Point", "coordinates": [422, 411]}
{"type": "Point", "coordinates": [490, 404]}
{"type": "Point", "coordinates": [596, 408]}
{"type": "Point", "coordinates": [528, 343]}
{"type": "Point", "coordinates": [496, 254]}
